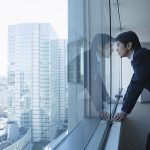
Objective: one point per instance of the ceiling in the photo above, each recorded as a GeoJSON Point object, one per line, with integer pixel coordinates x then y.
{"type": "Point", "coordinates": [135, 15]}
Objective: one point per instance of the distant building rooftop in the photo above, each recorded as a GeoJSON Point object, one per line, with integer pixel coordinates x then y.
{"type": "Point", "coordinates": [15, 137]}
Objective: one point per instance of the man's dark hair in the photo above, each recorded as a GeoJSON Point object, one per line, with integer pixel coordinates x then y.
{"type": "Point", "coordinates": [102, 39]}
{"type": "Point", "coordinates": [129, 36]}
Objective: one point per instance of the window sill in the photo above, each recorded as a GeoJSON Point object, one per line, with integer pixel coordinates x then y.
{"type": "Point", "coordinates": [88, 135]}
{"type": "Point", "coordinates": [114, 134]}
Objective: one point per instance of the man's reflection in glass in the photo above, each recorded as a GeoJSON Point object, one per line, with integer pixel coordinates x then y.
{"type": "Point", "coordinates": [100, 49]}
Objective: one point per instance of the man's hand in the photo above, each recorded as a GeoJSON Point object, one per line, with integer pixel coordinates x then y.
{"type": "Point", "coordinates": [119, 116]}
{"type": "Point", "coordinates": [104, 115]}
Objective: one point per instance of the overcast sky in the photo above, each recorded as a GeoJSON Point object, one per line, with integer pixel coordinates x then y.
{"type": "Point", "coordinates": [28, 11]}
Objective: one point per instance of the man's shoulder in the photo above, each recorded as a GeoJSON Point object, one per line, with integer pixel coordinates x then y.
{"type": "Point", "coordinates": [142, 52]}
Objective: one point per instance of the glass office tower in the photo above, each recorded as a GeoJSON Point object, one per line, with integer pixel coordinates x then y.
{"type": "Point", "coordinates": [36, 80]}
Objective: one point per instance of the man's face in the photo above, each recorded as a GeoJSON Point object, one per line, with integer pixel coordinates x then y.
{"type": "Point", "coordinates": [105, 51]}
{"type": "Point", "coordinates": [121, 49]}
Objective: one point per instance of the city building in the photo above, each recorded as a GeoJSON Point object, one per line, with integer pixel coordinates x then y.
{"type": "Point", "coordinates": [3, 96]}
{"type": "Point", "coordinates": [14, 137]}
{"type": "Point", "coordinates": [36, 80]}
{"type": "Point", "coordinates": [3, 90]}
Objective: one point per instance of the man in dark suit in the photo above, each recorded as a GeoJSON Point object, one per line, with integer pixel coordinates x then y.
{"type": "Point", "coordinates": [128, 45]}
{"type": "Point", "coordinates": [100, 49]}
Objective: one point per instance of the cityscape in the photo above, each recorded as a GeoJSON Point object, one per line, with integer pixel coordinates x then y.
{"type": "Point", "coordinates": [64, 81]}
{"type": "Point", "coordinates": [34, 95]}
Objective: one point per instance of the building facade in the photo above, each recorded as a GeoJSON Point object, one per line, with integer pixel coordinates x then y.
{"type": "Point", "coordinates": [33, 78]}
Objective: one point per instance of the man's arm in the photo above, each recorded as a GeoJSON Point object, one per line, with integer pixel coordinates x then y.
{"type": "Point", "coordinates": [134, 90]}
{"type": "Point", "coordinates": [141, 74]}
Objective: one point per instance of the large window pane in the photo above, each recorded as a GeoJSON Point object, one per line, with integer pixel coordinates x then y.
{"type": "Point", "coordinates": [34, 34]}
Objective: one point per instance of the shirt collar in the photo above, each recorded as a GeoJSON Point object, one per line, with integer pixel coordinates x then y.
{"type": "Point", "coordinates": [131, 56]}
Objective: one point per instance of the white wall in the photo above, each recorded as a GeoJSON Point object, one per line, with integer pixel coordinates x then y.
{"type": "Point", "coordinates": [127, 72]}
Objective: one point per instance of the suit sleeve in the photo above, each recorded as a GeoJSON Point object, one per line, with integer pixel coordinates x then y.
{"type": "Point", "coordinates": [134, 90]}
{"type": "Point", "coordinates": [137, 82]}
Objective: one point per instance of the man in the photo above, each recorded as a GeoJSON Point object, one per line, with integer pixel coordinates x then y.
{"type": "Point", "coordinates": [128, 45]}
{"type": "Point", "coordinates": [100, 48]}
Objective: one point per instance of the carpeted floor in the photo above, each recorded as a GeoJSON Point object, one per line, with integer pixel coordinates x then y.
{"type": "Point", "coordinates": [135, 128]}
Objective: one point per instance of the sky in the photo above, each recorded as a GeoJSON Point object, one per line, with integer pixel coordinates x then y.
{"type": "Point", "coordinates": [28, 11]}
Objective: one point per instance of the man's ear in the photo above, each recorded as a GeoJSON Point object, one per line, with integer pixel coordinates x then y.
{"type": "Point", "coordinates": [129, 45]}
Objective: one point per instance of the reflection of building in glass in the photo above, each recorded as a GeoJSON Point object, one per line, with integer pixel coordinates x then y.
{"type": "Point", "coordinates": [35, 78]}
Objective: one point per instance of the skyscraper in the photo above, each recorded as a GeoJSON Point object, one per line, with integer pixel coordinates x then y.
{"type": "Point", "coordinates": [33, 78]}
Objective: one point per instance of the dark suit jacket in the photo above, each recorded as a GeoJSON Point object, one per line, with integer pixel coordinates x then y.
{"type": "Point", "coordinates": [148, 142]}
{"type": "Point", "coordinates": [140, 78]}
{"type": "Point", "coordinates": [98, 91]}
